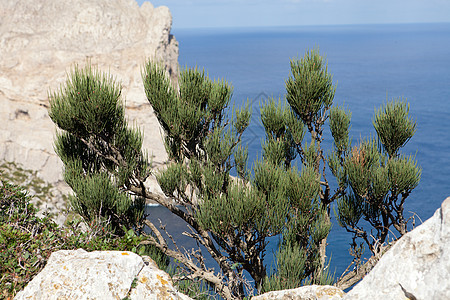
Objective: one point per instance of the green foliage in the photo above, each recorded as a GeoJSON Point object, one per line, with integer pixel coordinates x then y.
{"type": "Point", "coordinates": [271, 183]}
{"type": "Point", "coordinates": [306, 224]}
{"type": "Point", "coordinates": [238, 210]}
{"type": "Point", "coordinates": [198, 290]}
{"type": "Point", "coordinates": [29, 179]}
{"type": "Point", "coordinates": [339, 127]}
{"type": "Point", "coordinates": [292, 261]}
{"type": "Point", "coordinates": [194, 288]}
{"type": "Point", "coordinates": [310, 90]}
{"type": "Point", "coordinates": [298, 256]}
{"type": "Point", "coordinates": [240, 159]}
{"type": "Point", "coordinates": [203, 151]}
{"type": "Point", "coordinates": [88, 104]}
{"type": "Point", "coordinates": [279, 198]}
{"type": "Point", "coordinates": [370, 181]}
{"type": "Point", "coordinates": [242, 119]}
{"type": "Point", "coordinates": [239, 213]}
{"type": "Point", "coordinates": [102, 159]}
{"type": "Point", "coordinates": [404, 175]}
{"type": "Point", "coordinates": [278, 147]}
{"type": "Point", "coordinates": [393, 126]}
{"type": "Point", "coordinates": [19, 261]}
{"type": "Point", "coordinates": [188, 116]}
{"type": "Point", "coordinates": [97, 199]}
{"type": "Point", "coordinates": [377, 178]}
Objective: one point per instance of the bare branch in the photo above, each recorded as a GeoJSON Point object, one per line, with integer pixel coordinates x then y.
{"type": "Point", "coordinates": [214, 280]}
{"type": "Point", "coordinates": [161, 240]}
{"type": "Point", "coordinates": [359, 272]}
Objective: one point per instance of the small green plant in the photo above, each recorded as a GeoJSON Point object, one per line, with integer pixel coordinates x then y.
{"type": "Point", "coordinates": [26, 241]}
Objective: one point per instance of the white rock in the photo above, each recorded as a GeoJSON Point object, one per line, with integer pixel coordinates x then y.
{"type": "Point", "coordinates": [418, 264]}
{"type": "Point", "coordinates": [309, 292]}
{"type": "Point", "coordinates": [77, 274]}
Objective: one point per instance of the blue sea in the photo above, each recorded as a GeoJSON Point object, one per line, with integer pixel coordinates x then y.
{"type": "Point", "coordinates": [370, 64]}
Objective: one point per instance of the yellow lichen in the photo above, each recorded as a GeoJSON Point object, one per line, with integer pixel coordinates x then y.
{"type": "Point", "coordinates": [124, 253]}
{"type": "Point", "coordinates": [329, 292]}
{"type": "Point", "coordinates": [162, 280]}
{"type": "Point", "coordinates": [143, 279]}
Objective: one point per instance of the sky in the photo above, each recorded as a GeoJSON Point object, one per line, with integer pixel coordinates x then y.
{"type": "Point", "coordinates": [257, 13]}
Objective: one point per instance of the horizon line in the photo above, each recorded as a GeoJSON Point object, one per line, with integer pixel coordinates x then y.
{"type": "Point", "coordinates": [307, 25]}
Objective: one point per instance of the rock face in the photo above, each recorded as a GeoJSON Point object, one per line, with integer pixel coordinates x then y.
{"type": "Point", "coordinates": [41, 41]}
{"type": "Point", "coordinates": [77, 274]}
{"type": "Point", "coordinates": [416, 267]}
{"type": "Point", "coordinates": [310, 292]}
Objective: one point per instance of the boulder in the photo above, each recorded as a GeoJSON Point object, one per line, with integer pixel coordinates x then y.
{"type": "Point", "coordinates": [77, 274]}
{"type": "Point", "coordinates": [42, 40]}
{"type": "Point", "coordinates": [416, 267]}
{"type": "Point", "coordinates": [309, 292]}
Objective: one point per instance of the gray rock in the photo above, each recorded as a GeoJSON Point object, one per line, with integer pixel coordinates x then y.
{"type": "Point", "coordinates": [416, 267]}
{"type": "Point", "coordinates": [309, 292]}
{"type": "Point", "coordinates": [77, 274]}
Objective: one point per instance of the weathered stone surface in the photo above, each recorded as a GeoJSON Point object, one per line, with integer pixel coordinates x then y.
{"type": "Point", "coordinates": [152, 283]}
{"type": "Point", "coordinates": [77, 274]}
{"type": "Point", "coordinates": [41, 41]}
{"type": "Point", "coordinates": [310, 292]}
{"type": "Point", "coordinates": [416, 267]}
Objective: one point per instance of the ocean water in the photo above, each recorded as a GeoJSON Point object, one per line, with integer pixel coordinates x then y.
{"type": "Point", "coordinates": [370, 63]}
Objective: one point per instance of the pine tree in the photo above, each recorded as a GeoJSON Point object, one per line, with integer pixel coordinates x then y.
{"type": "Point", "coordinates": [232, 217]}
{"type": "Point", "coordinates": [101, 154]}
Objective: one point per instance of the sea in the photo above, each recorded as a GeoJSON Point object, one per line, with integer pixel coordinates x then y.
{"type": "Point", "coordinates": [371, 64]}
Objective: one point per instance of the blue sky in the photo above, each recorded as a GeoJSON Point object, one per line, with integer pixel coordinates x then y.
{"type": "Point", "coordinates": [255, 13]}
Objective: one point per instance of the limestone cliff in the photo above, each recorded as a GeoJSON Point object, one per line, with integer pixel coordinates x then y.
{"type": "Point", "coordinates": [41, 40]}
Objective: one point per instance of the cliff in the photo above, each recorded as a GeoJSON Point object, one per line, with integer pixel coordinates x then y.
{"type": "Point", "coordinates": [41, 40]}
